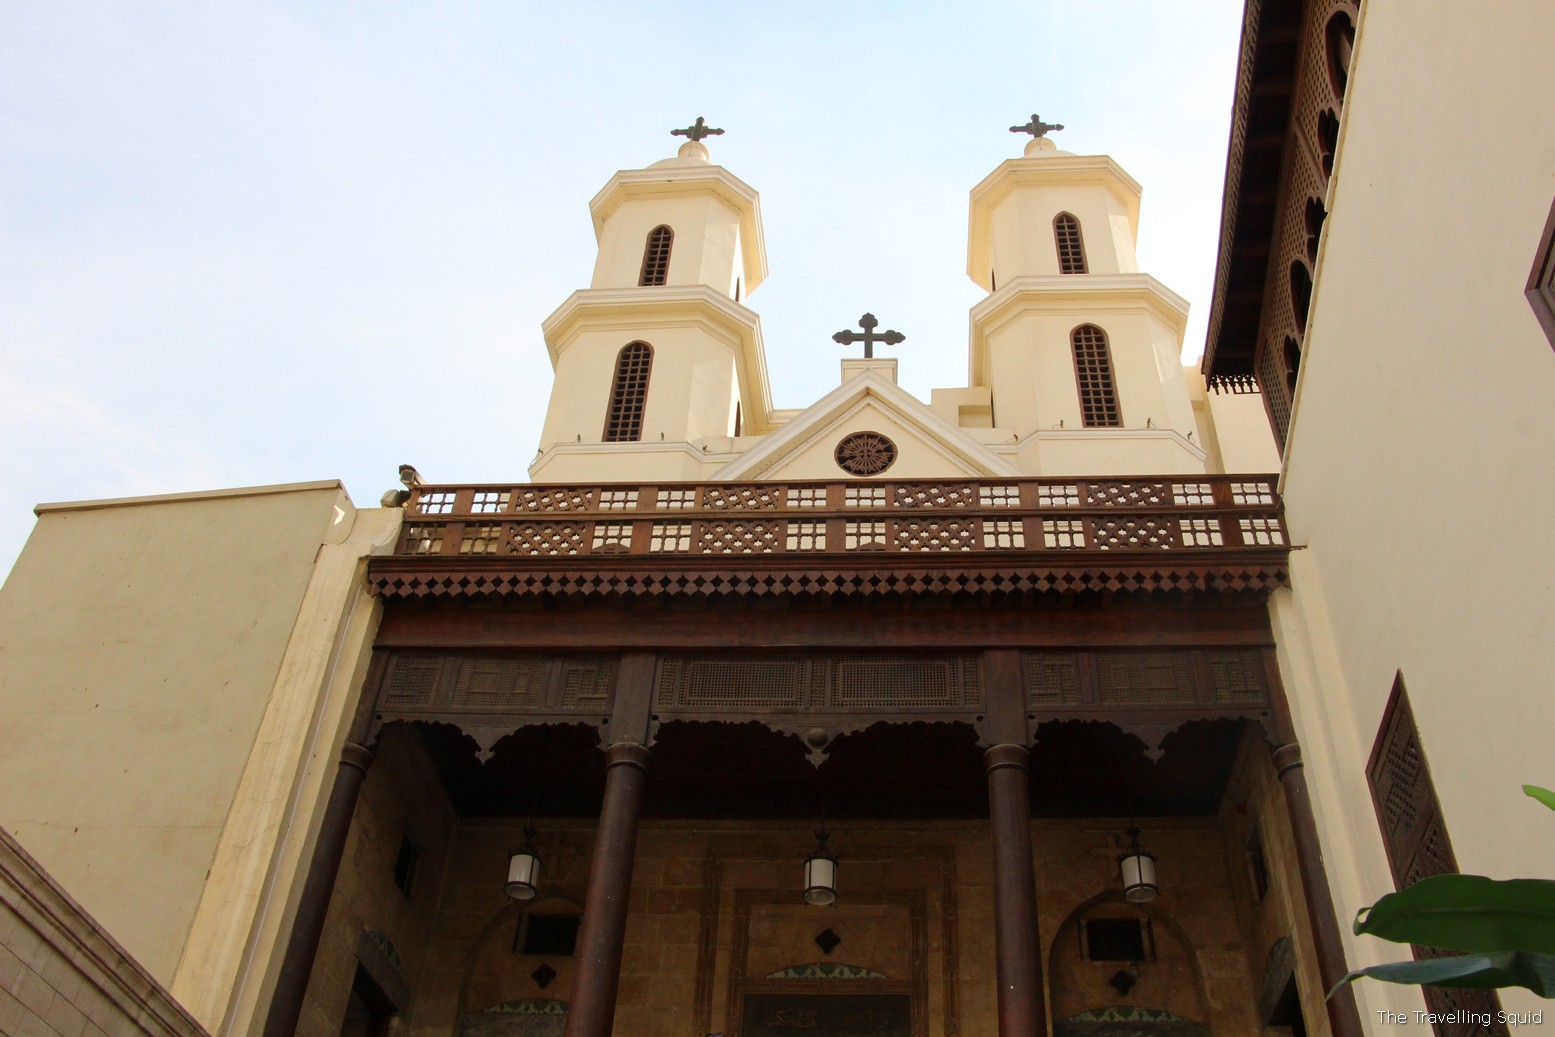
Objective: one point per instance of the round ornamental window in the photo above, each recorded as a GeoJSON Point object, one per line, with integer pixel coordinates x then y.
{"type": "Point", "coordinates": [865, 453]}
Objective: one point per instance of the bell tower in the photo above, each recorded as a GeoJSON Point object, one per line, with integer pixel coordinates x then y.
{"type": "Point", "coordinates": [659, 364]}
{"type": "Point", "coordinates": [1078, 351]}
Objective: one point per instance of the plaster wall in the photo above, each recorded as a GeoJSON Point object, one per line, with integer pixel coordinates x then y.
{"type": "Point", "coordinates": [692, 386]}
{"type": "Point", "coordinates": [919, 456]}
{"type": "Point", "coordinates": [1417, 469]}
{"type": "Point", "coordinates": [706, 248]}
{"type": "Point", "coordinates": [1088, 453]}
{"type": "Point", "coordinates": [1022, 230]}
{"type": "Point", "coordinates": [1032, 374]}
{"type": "Point", "coordinates": [142, 641]}
{"type": "Point", "coordinates": [628, 462]}
{"type": "Point", "coordinates": [1233, 429]}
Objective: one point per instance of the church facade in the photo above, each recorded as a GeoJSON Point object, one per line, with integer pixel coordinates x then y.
{"type": "Point", "coordinates": [1010, 711]}
{"type": "Point", "coordinates": [949, 663]}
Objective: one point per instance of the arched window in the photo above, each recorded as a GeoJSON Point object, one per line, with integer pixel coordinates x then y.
{"type": "Point", "coordinates": [1312, 220]}
{"type": "Point", "coordinates": [1071, 250]}
{"type": "Point", "coordinates": [1338, 42]}
{"type": "Point", "coordinates": [1093, 375]}
{"type": "Point", "coordinates": [629, 394]}
{"type": "Point", "coordinates": [656, 256]}
{"type": "Point", "coordinates": [1327, 139]}
{"type": "Point", "coordinates": [1300, 294]}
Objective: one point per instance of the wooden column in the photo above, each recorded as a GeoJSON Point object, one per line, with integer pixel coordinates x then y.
{"type": "Point", "coordinates": [603, 929]}
{"type": "Point", "coordinates": [1343, 1015]}
{"type": "Point", "coordinates": [602, 932]}
{"type": "Point", "coordinates": [1021, 1009]}
{"type": "Point", "coordinates": [1004, 727]}
{"type": "Point", "coordinates": [292, 984]}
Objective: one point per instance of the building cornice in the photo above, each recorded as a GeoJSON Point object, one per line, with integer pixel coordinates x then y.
{"type": "Point", "coordinates": [1046, 171]}
{"type": "Point", "coordinates": [636, 311]}
{"type": "Point", "coordinates": [1082, 295]}
{"type": "Point", "coordinates": [697, 179]}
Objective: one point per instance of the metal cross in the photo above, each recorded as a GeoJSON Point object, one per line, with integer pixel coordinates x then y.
{"type": "Point", "coordinates": [869, 338]}
{"type": "Point", "coordinates": [1036, 127]}
{"type": "Point", "coordinates": [696, 131]}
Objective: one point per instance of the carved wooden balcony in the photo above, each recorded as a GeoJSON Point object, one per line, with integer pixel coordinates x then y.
{"type": "Point", "coordinates": [848, 537]}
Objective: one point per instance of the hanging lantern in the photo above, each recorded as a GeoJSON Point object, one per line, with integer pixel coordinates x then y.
{"type": "Point", "coordinates": [820, 873]}
{"type": "Point", "coordinates": [523, 869]}
{"type": "Point", "coordinates": [1138, 868]}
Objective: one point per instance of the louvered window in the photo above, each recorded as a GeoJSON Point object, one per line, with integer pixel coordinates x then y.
{"type": "Point", "coordinates": [656, 256]}
{"type": "Point", "coordinates": [1418, 847]}
{"type": "Point", "coordinates": [1071, 250]}
{"type": "Point", "coordinates": [629, 394]}
{"type": "Point", "coordinates": [1093, 375]}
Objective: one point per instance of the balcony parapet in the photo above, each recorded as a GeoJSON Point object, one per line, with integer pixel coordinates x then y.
{"type": "Point", "coordinates": [1196, 533]}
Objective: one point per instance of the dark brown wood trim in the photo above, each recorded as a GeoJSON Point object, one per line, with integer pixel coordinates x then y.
{"type": "Point", "coordinates": [602, 932]}
{"type": "Point", "coordinates": [1541, 279]}
{"type": "Point", "coordinates": [308, 925]}
{"type": "Point", "coordinates": [1022, 1009]}
{"type": "Point", "coordinates": [1343, 1013]}
{"type": "Point", "coordinates": [407, 625]}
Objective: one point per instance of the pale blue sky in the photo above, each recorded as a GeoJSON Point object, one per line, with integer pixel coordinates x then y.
{"type": "Point", "coordinates": [259, 243]}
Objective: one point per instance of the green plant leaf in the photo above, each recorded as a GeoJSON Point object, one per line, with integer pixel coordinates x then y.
{"type": "Point", "coordinates": [1467, 913]}
{"type": "Point", "coordinates": [1536, 972]}
{"type": "Point", "coordinates": [1544, 796]}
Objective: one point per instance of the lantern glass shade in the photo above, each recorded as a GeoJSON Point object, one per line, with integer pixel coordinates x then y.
{"type": "Point", "coordinates": [820, 880]}
{"type": "Point", "coordinates": [1139, 883]}
{"type": "Point", "coordinates": [523, 874]}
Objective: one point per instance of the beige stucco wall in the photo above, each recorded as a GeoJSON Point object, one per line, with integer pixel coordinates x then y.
{"type": "Point", "coordinates": [1022, 231]}
{"type": "Point", "coordinates": [1022, 349]}
{"type": "Point", "coordinates": [692, 386]}
{"type": "Point", "coordinates": [1418, 468]}
{"type": "Point", "coordinates": [168, 667]}
{"type": "Point", "coordinates": [1233, 429]}
{"type": "Point", "coordinates": [706, 249]}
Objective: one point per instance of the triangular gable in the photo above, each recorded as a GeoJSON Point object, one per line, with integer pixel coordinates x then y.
{"type": "Point", "coordinates": [928, 446]}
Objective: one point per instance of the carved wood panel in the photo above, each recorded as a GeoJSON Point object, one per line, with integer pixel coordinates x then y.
{"type": "Point", "coordinates": [1418, 846]}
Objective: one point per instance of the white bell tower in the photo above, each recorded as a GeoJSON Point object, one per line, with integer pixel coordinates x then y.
{"type": "Point", "coordinates": [658, 362]}
{"type": "Point", "coordinates": [1079, 352]}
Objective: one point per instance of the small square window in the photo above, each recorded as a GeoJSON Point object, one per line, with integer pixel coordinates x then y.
{"type": "Point", "coordinates": [1116, 939]}
{"type": "Point", "coordinates": [405, 866]}
{"type": "Point", "coordinates": [553, 935]}
{"type": "Point", "coordinates": [1257, 865]}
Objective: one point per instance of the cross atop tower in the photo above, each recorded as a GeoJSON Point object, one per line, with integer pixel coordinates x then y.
{"type": "Point", "coordinates": [869, 323]}
{"type": "Point", "coordinates": [696, 131]}
{"type": "Point", "coordinates": [1036, 127]}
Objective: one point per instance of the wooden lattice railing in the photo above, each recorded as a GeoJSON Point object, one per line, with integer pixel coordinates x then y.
{"type": "Point", "coordinates": [1190, 513]}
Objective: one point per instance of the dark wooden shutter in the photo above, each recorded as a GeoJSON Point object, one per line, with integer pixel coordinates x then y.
{"type": "Point", "coordinates": [1418, 847]}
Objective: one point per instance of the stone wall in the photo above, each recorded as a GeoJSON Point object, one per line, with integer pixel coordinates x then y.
{"type": "Point", "coordinates": [371, 922]}
{"type": "Point", "coordinates": [716, 914]}
{"type": "Point", "coordinates": [61, 975]}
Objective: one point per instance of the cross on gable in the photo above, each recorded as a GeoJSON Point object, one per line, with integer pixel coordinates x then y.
{"type": "Point", "coordinates": [696, 131]}
{"type": "Point", "coordinates": [869, 338]}
{"type": "Point", "coordinates": [1036, 127]}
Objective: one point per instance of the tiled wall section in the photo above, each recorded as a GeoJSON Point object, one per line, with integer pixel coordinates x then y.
{"type": "Point", "coordinates": [61, 975]}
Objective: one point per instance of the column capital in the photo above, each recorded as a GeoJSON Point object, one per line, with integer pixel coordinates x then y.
{"type": "Point", "coordinates": [1006, 755]}
{"type": "Point", "coordinates": [628, 754]}
{"type": "Point", "coordinates": [1287, 758]}
{"type": "Point", "coordinates": [356, 756]}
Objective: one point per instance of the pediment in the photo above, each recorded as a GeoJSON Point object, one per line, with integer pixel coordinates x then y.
{"type": "Point", "coordinates": [926, 445]}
